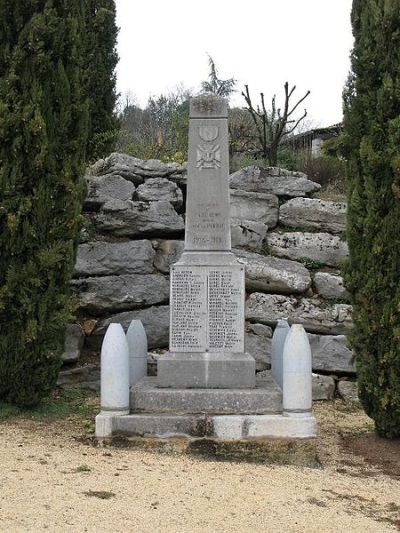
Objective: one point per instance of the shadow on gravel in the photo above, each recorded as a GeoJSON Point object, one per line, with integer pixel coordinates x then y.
{"type": "Point", "coordinates": [382, 454]}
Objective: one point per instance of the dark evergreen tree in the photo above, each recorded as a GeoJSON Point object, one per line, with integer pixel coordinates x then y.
{"type": "Point", "coordinates": [43, 132]}
{"type": "Point", "coordinates": [372, 141]}
{"type": "Point", "coordinates": [100, 80]}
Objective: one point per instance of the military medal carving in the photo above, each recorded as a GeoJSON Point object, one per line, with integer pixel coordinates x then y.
{"type": "Point", "coordinates": [208, 152]}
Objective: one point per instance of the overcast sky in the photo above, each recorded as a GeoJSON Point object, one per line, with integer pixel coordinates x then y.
{"type": "Point", "coordinates": [263, 43]}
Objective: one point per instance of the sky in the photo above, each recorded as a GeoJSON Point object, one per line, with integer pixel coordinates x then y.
{"type": "Point", "coordinates": [262, 43]}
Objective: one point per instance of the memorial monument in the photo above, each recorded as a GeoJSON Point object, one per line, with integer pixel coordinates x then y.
{"type": "Point", "coordinates": [207, 284]}
{"type": "Point", "coordinates": [206, 384]}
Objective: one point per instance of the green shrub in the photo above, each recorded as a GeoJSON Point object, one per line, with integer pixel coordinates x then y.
{"type": "Point", "coordinates": [99, 80]}
{"type": "Point", "coordinates": [43, 131]}
{"type": "Point", "coordinates": [328, 171]}
{"type": "Point", "coordinates": [372, 135]}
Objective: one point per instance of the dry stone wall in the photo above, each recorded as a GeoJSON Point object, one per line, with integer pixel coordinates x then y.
{"type": "Point", "coordinates": [290, 243]}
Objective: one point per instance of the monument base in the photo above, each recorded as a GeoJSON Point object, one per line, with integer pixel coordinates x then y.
{"type": "Point", "coordinates": [216, 414]}
{"type": "Point", "coordinates": [206, 371]}
{"type": "Point", "coordinates": [225, 427]}
{"type": "Point", "coordinates": [265, 398]}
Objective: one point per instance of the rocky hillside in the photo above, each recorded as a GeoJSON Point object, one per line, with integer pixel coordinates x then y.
{"type": "Point", "coordinates": [290, 243]}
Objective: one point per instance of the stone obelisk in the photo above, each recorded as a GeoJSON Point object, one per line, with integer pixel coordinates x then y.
{"type": "Point", "coordinates": [207, 285]}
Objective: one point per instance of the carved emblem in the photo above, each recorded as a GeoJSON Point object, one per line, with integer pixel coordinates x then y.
{"type": "Point", "coordinates": [208, 152]}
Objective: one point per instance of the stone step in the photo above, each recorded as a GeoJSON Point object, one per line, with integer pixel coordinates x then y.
{"type": "Point", "coordinates": [225, 427]}
{"type": "Point", "coordinates": [265, 398]}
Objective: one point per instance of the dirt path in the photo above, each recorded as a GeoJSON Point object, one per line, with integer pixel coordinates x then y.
{"type": "Point", "coordinates": [50, 480]}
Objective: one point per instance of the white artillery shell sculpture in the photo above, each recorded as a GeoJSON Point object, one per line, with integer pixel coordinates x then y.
{"type": "Point", "coordinates": [297, 372]}
{"type": "Point", "coordinates": [114, 390]}
{"type": "Point", "coordinates": [278, 341]}
{"type": "Point", "coordinates": [137, 343]}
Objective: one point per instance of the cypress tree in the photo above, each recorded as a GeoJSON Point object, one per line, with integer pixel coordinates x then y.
{"type": "Point", "coordinates": [101, 59]}
{"type": "Point", "coordinates": [43, 132]}
{"type": "Point", "coordinates": [372, 128]}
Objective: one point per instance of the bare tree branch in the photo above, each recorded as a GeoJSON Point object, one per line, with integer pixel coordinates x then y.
{"type": "Point", "coordinates": [272, 125]}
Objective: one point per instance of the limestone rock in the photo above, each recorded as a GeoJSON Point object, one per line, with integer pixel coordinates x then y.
{"type": "Point", "coordinates": [130, 219]}
{"type": "Point", "coordinates": [103, 188]}
{"type": "Point", "coordinates": [155, 189]}
{"type": "Point", "coordinates": [331, 353]}
{"type": "Point", "coordinates": [330, 286]}
{"type": "Point", "coordinates": [273, 180]}
{"type": "Point", "coordinates": [134, 169]}
{"type": "Point", "coordinates": [258, 345]}
{"type": "Point", "coordinates": [119, 293]}
{"type": "Point", "coordinates": [314, 315]}
{"type": "Point", "coordinates": [155, 321]}
{"type": "Point", "coordinates": [348, 390]}
{"type": "Point", "coordinates": [101, 258]}
{"type": "Point", "coordinates": [270, 274]}
{"type": "Point", "coordinates": [314, 214]}
{"type": "Point", "coordinates": [259, 329]}
{"type": "Point", "coordinates": [254, 207]}
{"type": "Point", "coordinates": [83, 377]}
{"type": "Point", "coordinates": [321, 247]}
{"type": "Point", "coordinates": [323, 387]}
{"type": "Point", "coordinates": [167, 253]}
{"type": "Point", "coordinates": [248, 234]}
{"type": "Point", "coordinates": [73, 343]}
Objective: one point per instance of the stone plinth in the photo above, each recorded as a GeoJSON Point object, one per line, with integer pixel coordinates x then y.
{"type": "Point", "coordinates": [215, 414]}
{"type": "Point", "coordinates": [265, 398]}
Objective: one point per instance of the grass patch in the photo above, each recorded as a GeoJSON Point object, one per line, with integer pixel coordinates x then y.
{"type": "Point", "coordinates": [102, 494]}
{"type": "Point", "coordinates": [83, 468]}
{"type": "Point", "coordinates": [59, 404]}
{"type": "Point", "coordinates": [311, 264]}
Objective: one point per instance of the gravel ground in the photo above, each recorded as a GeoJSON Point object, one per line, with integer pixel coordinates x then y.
{"type": "Point", "coordinates": [51, 479]}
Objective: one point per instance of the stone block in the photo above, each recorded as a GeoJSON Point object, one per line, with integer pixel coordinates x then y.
{"type": "Point", "coordinates": [331, 354]}
{"type": "Point", "coordinates": [101, 258]}
{"type": "Point", "coordinates": [330, 285]}
{"type": "Point", "coordinates": [134, 169]}
{"type": "Point", "coordinates": [155, 321]}
{"type": "Point", "coordinates": [224, 428]}
{"type": "Point", "coordinates": [314, 214]}
{"type": "Point", "coordinates": [271, 274]}
{"type": "Point", "coordinates": [266, 397]}
{"type": "Point", "coordinates": [348, 390]}
{"type": "Point", "coordinates": [259, 329]}
{"type": "Point", "coordinates": [220, 370]}
{"type": "Point", "coordinates": [254, 207]}
{"type": "Point", "coordinates": [160, 425]}
{"type": "Point", "coordinates": [273, 180]}
{"type": "Point", "coordinates": [131, 219]}
{"type": "Point", "coordinates": [320, 247]}
{"type": "Point", "coordinates": [248, 234]}
{"type": "Point", "coordinates": [83, 377]}
{"type": "Point", "coordinates": [101, 189]}
{"type": "Point", "coordinates": [259, 347]}
{"type": "Point", "coordinates": [314, 315]}
{"type": "Point", "coordinates": [272, 426]}
{"type": "Point", "coordinates": [155, 189]}
{"type": "Point", "coordinates": [168, 252]}
{"type": "Point", "coordinates": [73, 343]}
{"type": "Point", "coordinates": [119, 293]}
{"type": "Point", "coordinates": [323, 387]}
